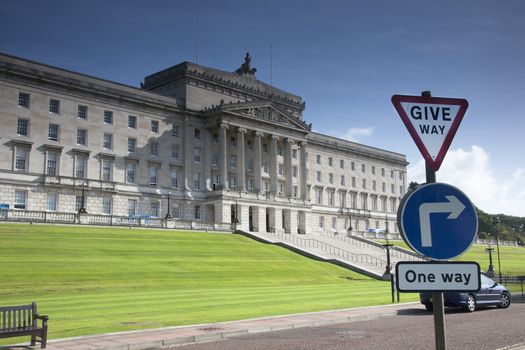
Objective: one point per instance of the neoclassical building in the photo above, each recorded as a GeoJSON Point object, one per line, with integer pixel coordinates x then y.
{"type": "Point", "coordinates": [192, 143]}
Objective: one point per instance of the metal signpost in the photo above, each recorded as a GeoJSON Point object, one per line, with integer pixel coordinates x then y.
{"type": "Point", "coordinates": [436, 220]}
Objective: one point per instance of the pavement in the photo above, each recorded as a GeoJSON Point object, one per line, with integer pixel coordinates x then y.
{"type": "Point", "coordinates": [164, 338]}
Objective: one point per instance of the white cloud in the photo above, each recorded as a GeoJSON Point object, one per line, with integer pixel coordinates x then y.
{"type": "Point", "coordinates": [355, 134]}
{"type": "Point", "coordinates": [471, 172]}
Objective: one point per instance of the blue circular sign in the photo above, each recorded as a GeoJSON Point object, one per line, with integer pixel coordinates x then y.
{"type": "Point", "coordinates": [438, 221]}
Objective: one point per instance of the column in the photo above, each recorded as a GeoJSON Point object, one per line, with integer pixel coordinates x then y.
{"type": "Point", "coordinates": [207, 159]}
{"type": "Point", "coordinates": [288, 167]}
{"type": "Point", "coordinates": [188, 153]}
{"type": "Point", "coordinates": [257, 166]}
{"type": "Point", "coordinates": [241, 174]}
{"type": "Point", "coordinates": [302, 168]}
{"type": "Point", "coordinates": [223, 161]}
{"type": "Point", "coordinates": [274, 186]}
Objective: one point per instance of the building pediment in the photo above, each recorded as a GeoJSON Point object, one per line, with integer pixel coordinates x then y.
{"type": "Point", "coordinates": [261, 111]}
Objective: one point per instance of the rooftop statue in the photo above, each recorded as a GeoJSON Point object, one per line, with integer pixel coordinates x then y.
{"type": "Point", "coordinates": [245, 67]}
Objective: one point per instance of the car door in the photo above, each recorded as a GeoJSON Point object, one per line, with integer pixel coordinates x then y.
{"type": "Point", "coordinates": [483, 296]}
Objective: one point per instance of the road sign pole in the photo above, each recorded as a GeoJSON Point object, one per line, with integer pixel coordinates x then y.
{"type": "Point", "coordinates": [437, 297]}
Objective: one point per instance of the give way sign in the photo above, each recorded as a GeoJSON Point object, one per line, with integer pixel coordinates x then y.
{"type": "Point", "coordinates": [432, 122]}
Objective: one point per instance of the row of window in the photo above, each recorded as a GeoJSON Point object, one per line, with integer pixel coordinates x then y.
{"type": "Point", "coordinates": [352, 166]}
{"type": "Point", "coordinates": [347, 223]}
{"type": "Point", "coordinates": [21, 200]}
{"type": "Point", "coordinates": [365, 200]}
{"type": "Point", "coordinates": [342, 182]}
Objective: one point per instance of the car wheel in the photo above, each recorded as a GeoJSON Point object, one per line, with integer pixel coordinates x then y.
{"type": "Point", "coordinates": [504, 300]}
{"type": "Point", "coordinates": [471, 304]}
{"type": "Point", "coordinates": [429, 307]}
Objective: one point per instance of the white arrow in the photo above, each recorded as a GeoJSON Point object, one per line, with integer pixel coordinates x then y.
{"type": "Point", "coordinates": [453, 206]}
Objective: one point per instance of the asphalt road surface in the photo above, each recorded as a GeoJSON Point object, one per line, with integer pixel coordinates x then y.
{"type": "Point", "coordinates": [485, 329]}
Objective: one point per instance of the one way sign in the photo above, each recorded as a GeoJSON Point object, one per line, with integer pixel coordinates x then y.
{"type": "Point", "coordinates": [432, 122]}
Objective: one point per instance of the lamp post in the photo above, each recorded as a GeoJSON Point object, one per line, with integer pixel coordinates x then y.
{"type": "Point", "coordinates": [388, 270]}
{"type": "Point", "coordinates": [490, 271]}
{"type": "Point", "coordinates": [350, 228]}
{"type": "Point", "coordinates": [236, 219]}
{"type": "Point", "coordinates": [168, 215]}
{"type": "Point", "coordinates": [82, 209]}
{"type": "Point", "coordinates": [496, 221]}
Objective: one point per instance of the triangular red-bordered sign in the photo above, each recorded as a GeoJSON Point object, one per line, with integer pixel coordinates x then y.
{"type": "Point", "coordinates": [432, 122]}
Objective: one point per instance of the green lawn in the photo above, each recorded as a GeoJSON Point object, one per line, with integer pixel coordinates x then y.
{"type": "Point", "coordinates": [93, 280]}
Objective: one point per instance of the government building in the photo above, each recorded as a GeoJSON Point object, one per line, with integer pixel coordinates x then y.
{"type": "Point", "coordinates": [192, 144]}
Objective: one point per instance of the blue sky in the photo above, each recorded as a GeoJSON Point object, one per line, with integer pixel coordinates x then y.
{"type": "Point", "coordinates": [345, 58]}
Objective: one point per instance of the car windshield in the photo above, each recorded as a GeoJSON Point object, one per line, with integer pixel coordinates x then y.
{"type": "Point", "coordinates": [486, 281]}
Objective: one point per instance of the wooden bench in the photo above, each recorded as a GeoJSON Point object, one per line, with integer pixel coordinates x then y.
{"type": "Point", "coordinates": [20, 320]}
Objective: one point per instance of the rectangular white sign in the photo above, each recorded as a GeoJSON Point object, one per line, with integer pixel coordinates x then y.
{"type": "Point", "coordinates": [436, 276]}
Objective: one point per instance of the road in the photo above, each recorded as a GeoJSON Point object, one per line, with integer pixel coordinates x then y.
{"type": "Point", "coordinates": [485, 329]}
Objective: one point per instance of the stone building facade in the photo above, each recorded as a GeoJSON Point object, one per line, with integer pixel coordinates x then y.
{"type": "Point", "coordinates": [219, 147]}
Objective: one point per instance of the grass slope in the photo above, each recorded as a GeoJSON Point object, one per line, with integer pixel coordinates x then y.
{"type": "Point", "coordinates": [93, 280]}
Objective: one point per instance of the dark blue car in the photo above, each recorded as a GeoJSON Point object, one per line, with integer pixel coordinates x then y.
{"type": "Point", "coordinates": [490, 294]}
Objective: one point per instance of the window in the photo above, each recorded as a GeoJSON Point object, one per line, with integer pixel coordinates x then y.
{"type": "Point", "coordinates": [250, 185]}
{"type": "Point", "coordinates": [295, 191]}
{"type": "Point", "coordinates": [215, 161]}
{"type": "Point", "coordinates": [154, 149]}
{"type": "Point", "coordinates": [233, 183]}
{"type": "Point", "coordinates": [353, 200]}
{"type": "Point", "coordinates": [51, 167]}
{"type": "Point", "coordinates": [132, 207]}
{"type": "Point", "coordinates": [400, 176]}
{"type": "Point", "coordinates": [54, 106]}
{"type": "Point", "coordinates": [334, 222]}
{"type": "Point", "coordinates": [197, 181]}
{"type": "Point", "coordinates": [392, 174]}
{"type": "Point", "coordinates": [383, 204]}
{"type": "Point", "coordinates": [175, 131]}
{"type": "Point", "coordinates": [132, 122]}
{"type": "Point", "coordinates": [197, 212]}
{"type": "Point", "coordinates": [250, 145]}
{"type": "Point", "coordinates": [233, 141]}
{"type": "Point", "coordinates": [107, 142]}
{"type": "Point", "coordinates": [279, 150]}
{"type": "Point", "coordinates": [265, 166]}
{"type": "Point", "coordinates": [81, 136]}
{"type": "Point", "coordinates": [108, 117]}
{"type": "Point", "coordinates": [318, 159]}
{"type": "Point", "coordinates": [175, 211]}
{"type": "Point", "coordinates": [82, 112]}
{"type": "Point", "coordinates": [22, 127]}
{"type": "Point", "coordinates": [215, 137]}
{"type": "Point", "coordinates": [51, 204]}
{"type": "Point", "coordinates": [373, 170]}
{"type": "Point", "coordinates": [321, 221]}
{"type": "Point", "coordinates": [106, 205]}
{"type": "Point", "coordinates": [52, 132]}
{"type": "Point", "coordinates": [215, 181]}
{"type": "Point", "coordinates": [330, 161]}
{"type": "Point", "coordinates": [153, 175]}
{"type": "Point", "coordinates": [330, 198]}
{"type": "Point", "coordinates": [21, 158]}
{"type": "Point", "coordinates": [319, 196]}
{"type": "Point", "coordinates": [197, 154]}
{"type": "Point", "coordinates": [318, 176]}
{"type": "Point", "coordinates": [175, 150]}
{"type": "Point", "coordinates": [364, 184]}
{"type": "Point", "coordinates": [352, 166]}
{"type": "Point", "coordinates": [373, 185]}
{"type": "Point", "coordinates": [130, 172]}
{"type": "Point", "coordinates": [383, 187]}
{"type": "Point", "coordinates": [353, 181]}
{"type": "Point", "coordinates": [342, 199]}
{"type": "Point", "coordinates": [383, 172]}
{"type": "Point", "coordinates": [363, 168]}
{"type": "Point", "coordinates": [132, 145]}
{"type": "Point", "coordinates": [331, 178]}
{"type": "Point", "coordinates": [155, 126]}
{"type": "Point", "coordinates": [294, 153]}
{"type": "Point", "coordinates": [233, 161]}
{"type": "Point", "coordinates": [401, 190]}
{"type": "Point", "coordinates": [281, 188]}
{"type": "Point", "coordinates": [342, 180]}
{"type": "Point", "coordinates": [197, 134]}
{"type": "Point", "coordinates": [20, 199]}
{"type": "Point", "coordinates": [265, 147]}
{"type": "Point", "coordinates": [79, 203]}
{"type": "Point", "coordinates": [23, 100]}
{"type": "Point", "coordinates": [174, 178]}
{"type": "Point", "coordinates": [392, 188]}
{"type": "Point", "coordinates": [280, 169]}
{"type": "Point", "coordinates": [80, 166]}
{"type": "Point", "coordinates": [249, 164]}
{"type": "Point", "coordinates": [154, 206]}
{"type": "Point", "coordinates": [106, 169]}
{"type": "Point", "coordinates": [294, 171]}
